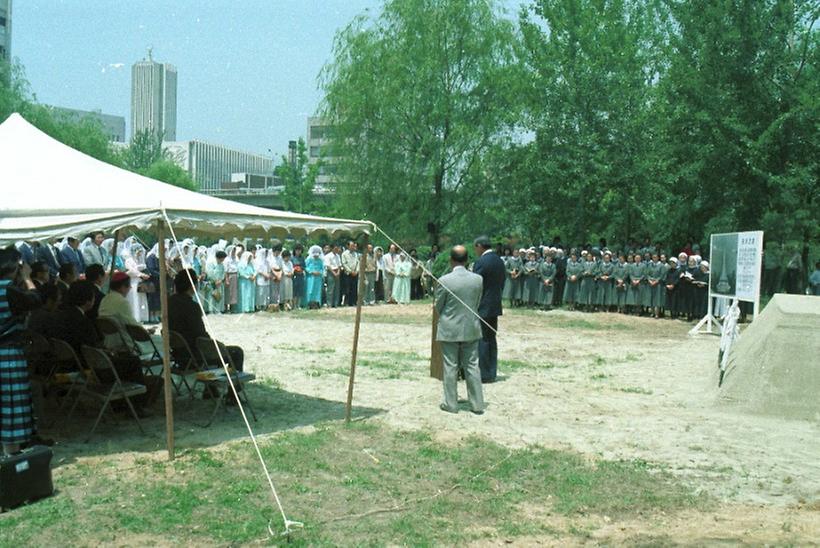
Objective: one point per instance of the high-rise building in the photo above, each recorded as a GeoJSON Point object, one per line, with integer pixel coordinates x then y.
{"type": "Point", "coordinates": [5, 30]}
{"type": "Point", "coordinates": [154, 98]}
{"type": "Point", "coordinates": [319, 135]}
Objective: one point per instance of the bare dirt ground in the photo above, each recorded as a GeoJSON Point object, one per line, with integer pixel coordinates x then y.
{"type": "Point", "coordinates": [604, 385]}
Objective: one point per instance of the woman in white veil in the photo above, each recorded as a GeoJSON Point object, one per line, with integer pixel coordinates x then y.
{"type": "Point", "coordinates": [231, 278]}
{"type": "Point", "coordinates": [247, 283]}
{"type": "Point", "coordinates": [260, 262]}
{"type": "Point", "coordinates": [135, 267]}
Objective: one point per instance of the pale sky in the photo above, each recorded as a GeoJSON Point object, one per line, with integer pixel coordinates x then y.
{"type": "Point", "coordinates": [247, 70]}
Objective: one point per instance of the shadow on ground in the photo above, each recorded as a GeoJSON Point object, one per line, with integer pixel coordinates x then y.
{"type": "Point", "coordinates": [277, 410]}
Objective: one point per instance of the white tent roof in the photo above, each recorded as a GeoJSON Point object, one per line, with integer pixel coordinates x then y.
{"type": "Point", "coordinates": [49, 190]}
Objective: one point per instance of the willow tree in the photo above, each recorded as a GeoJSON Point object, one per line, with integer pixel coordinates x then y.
{"type": "Point", "coordinates": [416, 96]}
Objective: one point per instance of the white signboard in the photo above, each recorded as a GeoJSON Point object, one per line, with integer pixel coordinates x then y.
{"type": "Point", "coordinates": [735, 267]}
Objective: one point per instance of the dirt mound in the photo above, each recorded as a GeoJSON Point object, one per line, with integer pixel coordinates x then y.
{"type": "Point", "coordinates": [774, 368]}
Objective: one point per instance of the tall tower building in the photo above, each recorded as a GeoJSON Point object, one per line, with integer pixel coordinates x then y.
{"type": "Point", "coordinates": [154, 98]}
{"type": "Point", "coordinates": [5, 30]}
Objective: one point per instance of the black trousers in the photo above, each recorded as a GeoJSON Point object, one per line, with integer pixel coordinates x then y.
{"type": "Point", "coordinates": [350, 289]}
{"type": "Point", "coordinates": [488, 349]}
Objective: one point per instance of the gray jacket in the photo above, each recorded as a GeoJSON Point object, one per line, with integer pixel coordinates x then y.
{"type": "Point", "coordinates": [456, 322]}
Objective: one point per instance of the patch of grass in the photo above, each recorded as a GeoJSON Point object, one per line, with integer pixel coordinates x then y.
{"type": "Point", "coordinates": [335, 478]}
{"type": "Point", "coordinates": [320, 372]}
{"type": "Point", "coordinates": [305, 349]}
{"type": "Point", "coordinates": [635, 390]}
{"type": "Point", "coordinates": [599, 376]}
{"type": "Point", "coordinates": [517, 365]}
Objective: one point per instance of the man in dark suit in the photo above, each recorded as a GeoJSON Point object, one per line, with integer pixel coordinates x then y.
{"type": "Point", "coordinates": [95, 273]}
{"type": "Point", "coordinates": [185, 316]}
{"type": "Point", "coordinates": [491, 268]}
{"type": "Point", "coordinates": [44, 251]}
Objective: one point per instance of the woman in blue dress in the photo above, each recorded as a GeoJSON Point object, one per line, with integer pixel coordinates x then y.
{"type": "Point", "coordinates": [247, 283]}
{"type": "Point", "coordinates": [314, 267]}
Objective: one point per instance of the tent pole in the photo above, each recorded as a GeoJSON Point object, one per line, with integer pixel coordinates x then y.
{"type": "Point", "coordinates": [166, 347]}
{"type": "Point", "coordinates": [359, 300]}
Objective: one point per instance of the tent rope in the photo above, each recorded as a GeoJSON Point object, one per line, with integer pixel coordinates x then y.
{"type": "Point", "coordinates": [435, 278]}
{"type": "Point", "coordinates": [289, 525]}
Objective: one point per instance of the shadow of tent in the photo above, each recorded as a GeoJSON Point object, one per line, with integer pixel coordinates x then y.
{"type": "Point", "coordinates": [277, 410]}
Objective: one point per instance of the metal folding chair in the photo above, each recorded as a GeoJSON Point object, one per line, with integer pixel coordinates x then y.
{"type": "Point", "coordinates": [140, 336]}
{"type": "Point", "coordinates": [106, 392]}
{"type": "Point", "coordinates": [184, 362]}
{"type": "Point", "coordinates": [118, 338]}
{"type": "Point", "coordinates": [213, 374]}
{"type": "Point", "coordinates": [74, 375]}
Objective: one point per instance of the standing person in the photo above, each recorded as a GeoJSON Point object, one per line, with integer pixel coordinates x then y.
{"type": "Point", "coordinates": [573, 280]}
{"type": "Point", "coordinates": [401, 284]}
{"type": "Point", "coordinates": [287, 281]}
{"type": "Point", "coordinates": [350, 274]}
{"type": "Point", "coordinates": [547, 272]}
{"type": "Point", "coordinates": [260, 263]}
{"type": "Point", "coordinates": [298, 276]}
{"type": "Point", "coordinates": [814, 280]}
{"type": "Point", "coordinates": [560, 277]}
{"type": "Point", "coordinates": [619, 274]}
{"type": "Point", "coordinates": [215, 275]}
{"type": "Point", "coordinates": [46, 253]}
{"type": "Point", "coordinates": [370, 268]}
{"type": "Point", "coordinates": [532, 280]}
{"type": "Point", "coordinates": [416, 290]}
{"type": "Point", "coordinates": [333, 273]}
{"type": "Point", "coordinates": [275, 259]}
{"type": "Point", "coordinates": [670, 284]}
{"type": "Point", "coordinates": [247, 283]}
{"type": "Point", "coordinates": [152, 268]}
{"type": "Point", "coordinates": [458, 296]}
{"type": "Point", "coordinates": [794, 273]}
{"type": "Point", "coordinates": [379, 252]}
{"type": "Point", "coordinates": [586, 291]}
{"type": "Point", "coordinates": [491, 268]}
{"type": "Point", "coordinates": [69, 253]}
{"type": "Point", "coordinates": [314, 266]}
{"type": "Point", "coordinates": [513, 268]}
{"type": "Point", "coordinates": [134, 256]}
{"type": "Point", "coordinates": [16, 410]}
{"type": "Point", "coordinates": [92, 250]}
{"type": "Point", "coordinates": [390, 273]}
{"type": "Point", "coordinates": [605, 285]}
{"type": "Point", "coordinates": [636, 274]}
{"type": "Point", "coordinates": [233, 253]}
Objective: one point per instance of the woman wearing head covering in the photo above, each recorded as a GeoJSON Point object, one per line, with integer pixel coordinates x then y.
{"type": "Point", "coordinates": [401, 285]}
{"type": "Point", "coordinates": [379, 255]}
{"type": "Point", "coordinates": [298, 276]}
{"type": "Point", "coordinates": [574, 269]}
{"type": "Point", "coordinates": [515, 265]}
{"type": "Point", "coordinates": [546, 271]}
{"type": "Point", "coordinates": [260, 263]}
{"type": "Point", "coordinates": [286, 285]}
{"type": "Point", "coordinates": [136, 269]}
{"type": "Point", "coordinates": [232, 276]}
{"type": "Point", "coordinates": [246, 273]}
{"type": "Point", "coordinates": [314, 268]}
{"type": "Point", "coordinates": [620, 282]}
{"type": "Point", "coordinates": [275, 262]}
{"type": "Point", "coordinates": [532, 279]}
{"type": "Point", "coordinates": [215, 279]}
{"type": "Point", "coordinates": [153, 270]}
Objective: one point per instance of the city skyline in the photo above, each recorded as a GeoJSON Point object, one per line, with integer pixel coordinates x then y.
{"type": "Point", "coordinates": [247, 73]}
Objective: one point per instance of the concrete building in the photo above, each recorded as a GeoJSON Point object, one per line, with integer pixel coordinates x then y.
{"type": "Point", "coordinates": [113, 126]}
{"type": "Point", "coordinates": [213, 166]}
{"type": "Point", "coordinates": [154, 98]}
{"type": "Point", "coordinates": [319, 136]}
{"type": "Point", "coordinates": [5, 30]}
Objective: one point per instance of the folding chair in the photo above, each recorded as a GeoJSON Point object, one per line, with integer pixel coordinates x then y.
{"type": "Point", "coordinates": [140, 335]}
{"type": "Point", "coordinates": [106, 392]}
{"type": "Point", "coordinates": [74, 375]}
{"type": "Point", "coordinates": [118, 338]}
{"type": "Point", "coordinates": [184, 362]}
{"type": "Point", "coordinates": [215, 376]}
{"type": "Point", "coordinates": [39, 356]}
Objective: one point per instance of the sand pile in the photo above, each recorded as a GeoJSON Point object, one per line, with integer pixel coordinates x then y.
{"type": "Point", "coordinates": [774, 368]}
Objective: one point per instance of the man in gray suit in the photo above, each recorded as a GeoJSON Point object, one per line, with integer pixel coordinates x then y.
{"type": "Point", "coordinates": [459, 331]}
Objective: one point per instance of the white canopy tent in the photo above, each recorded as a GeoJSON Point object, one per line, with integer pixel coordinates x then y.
{"type": "Point", "coordinates": [49, 191]}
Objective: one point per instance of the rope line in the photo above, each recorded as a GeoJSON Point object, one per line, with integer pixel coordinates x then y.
{"type": "Point", "coordinates": [288, 523]}
{"type": "Point", "coordinates": [436, 279]}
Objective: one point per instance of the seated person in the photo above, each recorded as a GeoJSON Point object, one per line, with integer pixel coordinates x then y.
{"type": "Point", "coordinates": [185, 316]}
{"type": "Point", "coordinates": [78, 330]}
{"type": "Point", "coordinates": [68, 275]}
{"type": "Point", "coordinates": [116, 304]}
{"type": "Point", "coordinates": [95, 274]}
{"type": "Point", "coordinates": [39, 274]}
{"type": "Point", "coordinates": [46, 319]}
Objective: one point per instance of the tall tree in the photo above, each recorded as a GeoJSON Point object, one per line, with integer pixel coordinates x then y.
{"type": "Point", "coordinates": [299, 178]}
{"type": "Point", "coordinates": [591, 67]}
{"type": "Point", "coordinates": [416, 96]}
